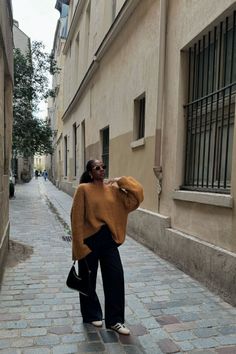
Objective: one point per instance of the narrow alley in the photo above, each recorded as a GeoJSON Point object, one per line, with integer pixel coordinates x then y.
{"type": "Point", "coordinates": [166, 310]}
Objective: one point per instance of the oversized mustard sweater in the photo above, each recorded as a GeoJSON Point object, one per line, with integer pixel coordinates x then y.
{"type": "Point", "coordinates": [95, 205]}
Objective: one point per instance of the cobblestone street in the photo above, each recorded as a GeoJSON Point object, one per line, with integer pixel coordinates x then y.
{"type": "Point", "coordinates": [166, 310]}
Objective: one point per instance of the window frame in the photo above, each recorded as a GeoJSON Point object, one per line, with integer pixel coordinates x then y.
{"type": "Point", "coordinates": [139, 117]}
{"type": "Point", "coordinates": [210, 106]}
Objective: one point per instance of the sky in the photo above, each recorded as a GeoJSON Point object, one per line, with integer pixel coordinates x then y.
{"type": "Point", "coordinates": [38, 20]}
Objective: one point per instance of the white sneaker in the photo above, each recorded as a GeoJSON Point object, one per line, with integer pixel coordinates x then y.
{"type": "Point", "coordinates": [97, 323]}
{"type": "Point", "coordinates": [120, 328]}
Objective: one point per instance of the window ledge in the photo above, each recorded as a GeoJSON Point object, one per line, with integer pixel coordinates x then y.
{"type": "Point", "coordinates": [137, 143]}
{"type": "Point", "coordinates": [222, 200]}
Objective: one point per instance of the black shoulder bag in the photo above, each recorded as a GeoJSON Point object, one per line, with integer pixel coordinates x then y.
{"type": "Point", "coordinates": [76, 282]}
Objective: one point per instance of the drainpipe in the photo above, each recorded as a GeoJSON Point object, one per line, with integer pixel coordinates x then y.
{"type": "Point", "coordinates": [157, 169]}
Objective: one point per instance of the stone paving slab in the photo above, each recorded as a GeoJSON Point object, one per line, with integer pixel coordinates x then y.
{"type": "Point", "coordinates": [167, 311]}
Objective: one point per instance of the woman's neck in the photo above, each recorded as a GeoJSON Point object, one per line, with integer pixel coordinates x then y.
{"type": "Point", "coordinates": [98, 182]}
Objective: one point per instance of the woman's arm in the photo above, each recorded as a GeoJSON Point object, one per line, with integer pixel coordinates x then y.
{"type": "Point", "coordinates": [131, 191]}
{"type": "Point", "coordinates": [79, 249]}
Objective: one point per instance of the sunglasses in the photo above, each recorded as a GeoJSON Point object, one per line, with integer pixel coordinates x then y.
{"type": "Point", "coordinates": [97, 168]}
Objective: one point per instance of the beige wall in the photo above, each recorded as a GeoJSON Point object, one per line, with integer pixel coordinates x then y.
{"type": "Point", "coordinates": [125, 161]}
{"type": "Point", "coordinates": [54, 162]}
{"type": "Point", "coordinates": [125, 72]}
{"type": "Point", "coordinates": [109, 100]}
{"type": "Point", "coordinates": [80, 49]}
{"type": "Point", "coordinates": [147, 53]}
{"type": "Point", "coordinates": [210, 223]}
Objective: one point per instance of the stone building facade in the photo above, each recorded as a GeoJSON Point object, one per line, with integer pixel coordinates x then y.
{"type": "Point", "coordinates": [6, 87]}
{"type": "Point", "coordinates": [54, 163]}
{"type": "Point", "coordinates": [149, 86]}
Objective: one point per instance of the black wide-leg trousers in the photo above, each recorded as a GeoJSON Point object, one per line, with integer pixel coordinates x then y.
{"type": "Point", "coordinates": [104, 250]}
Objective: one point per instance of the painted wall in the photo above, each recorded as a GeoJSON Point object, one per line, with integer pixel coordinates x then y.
{"type": "Point", "coordinates": [109, 101]}
{"type": "Point", "coordinates": [213, 224]}
{"type": "Point", "coordinates": [148, 55]}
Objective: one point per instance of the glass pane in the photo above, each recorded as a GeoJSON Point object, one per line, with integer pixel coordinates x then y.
{"type": "Point", "coordinates": [230, 75]}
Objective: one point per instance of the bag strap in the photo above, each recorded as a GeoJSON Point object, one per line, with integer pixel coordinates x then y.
{"type": "Point", "coordinates": [89, 271]}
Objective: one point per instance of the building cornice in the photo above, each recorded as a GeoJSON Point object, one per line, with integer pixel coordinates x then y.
{"type": "Point", "coordinates": [123, 15]}
{"type": "Point", "coordinates": [20, 30]}
{"type": "Point", "coordinates": [59, 139]}
{"type": "Point", "coordinates": [91, 70]}
{"type": "Point", "coordinates": [121, 18]}
{"type": "Point", "coordinates": [56, 36]}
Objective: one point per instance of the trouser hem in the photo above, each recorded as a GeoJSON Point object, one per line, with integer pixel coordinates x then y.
{"type": "Point", "coordinates": [94, 319]}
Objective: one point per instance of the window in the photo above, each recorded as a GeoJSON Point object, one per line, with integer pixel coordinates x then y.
{"type": "Point", "coordinates": [139, 117]}
{"type": "Point", "coordinates": [113, 10]}
{"type": "Point", "coordinates": [77, 54]}
{"type": "Point", "coordinates": [71, 11]}
{"type": "Point", "coordinates": [105, 149]}
{"type": "Point", "coordinates": [83, 144]}
{"type": "Point", "coordinates": [65, 155]}
{"type": "Point", "coordinates": [210, 109]}
{"type": "Point", "coordinates": [75, 148]}
{"type": "Point", "coordinates": [77, 66]}
{"type": "Point", "coordinates": [87, 32]}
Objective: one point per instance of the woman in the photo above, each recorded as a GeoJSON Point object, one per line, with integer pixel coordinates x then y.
{"type": "Point", "coordinates": [98, 219]}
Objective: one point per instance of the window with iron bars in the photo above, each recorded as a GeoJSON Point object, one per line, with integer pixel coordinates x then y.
{"type": "Point", "coordinates": [210, 110]}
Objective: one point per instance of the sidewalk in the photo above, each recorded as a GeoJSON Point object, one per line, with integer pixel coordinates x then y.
{"type": "Point", "coordinates": [166, 310]}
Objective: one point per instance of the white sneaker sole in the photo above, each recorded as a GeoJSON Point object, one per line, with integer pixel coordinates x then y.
{"type": "Point", "coordinates": [97, 323]}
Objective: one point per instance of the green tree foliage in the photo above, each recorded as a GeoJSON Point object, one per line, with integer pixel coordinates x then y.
{"type": "Point", "coordinates": [31, 135]}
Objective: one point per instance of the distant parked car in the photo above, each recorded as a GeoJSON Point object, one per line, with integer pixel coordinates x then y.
{"type": "Point", "coordinates": [11, 184]}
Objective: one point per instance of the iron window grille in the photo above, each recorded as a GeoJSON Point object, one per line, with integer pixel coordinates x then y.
{"type": "Point", "coordinates": [210, 110]}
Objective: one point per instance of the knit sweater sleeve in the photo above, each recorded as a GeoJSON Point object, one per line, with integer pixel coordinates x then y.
{"type": "Point", "coordinates": [131, 191]}
{"type": "Point", "coordinates": [79, 249]}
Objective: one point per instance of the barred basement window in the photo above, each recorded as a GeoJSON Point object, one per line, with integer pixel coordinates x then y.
{"type": "Point", "coordinates": [210, 110]}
